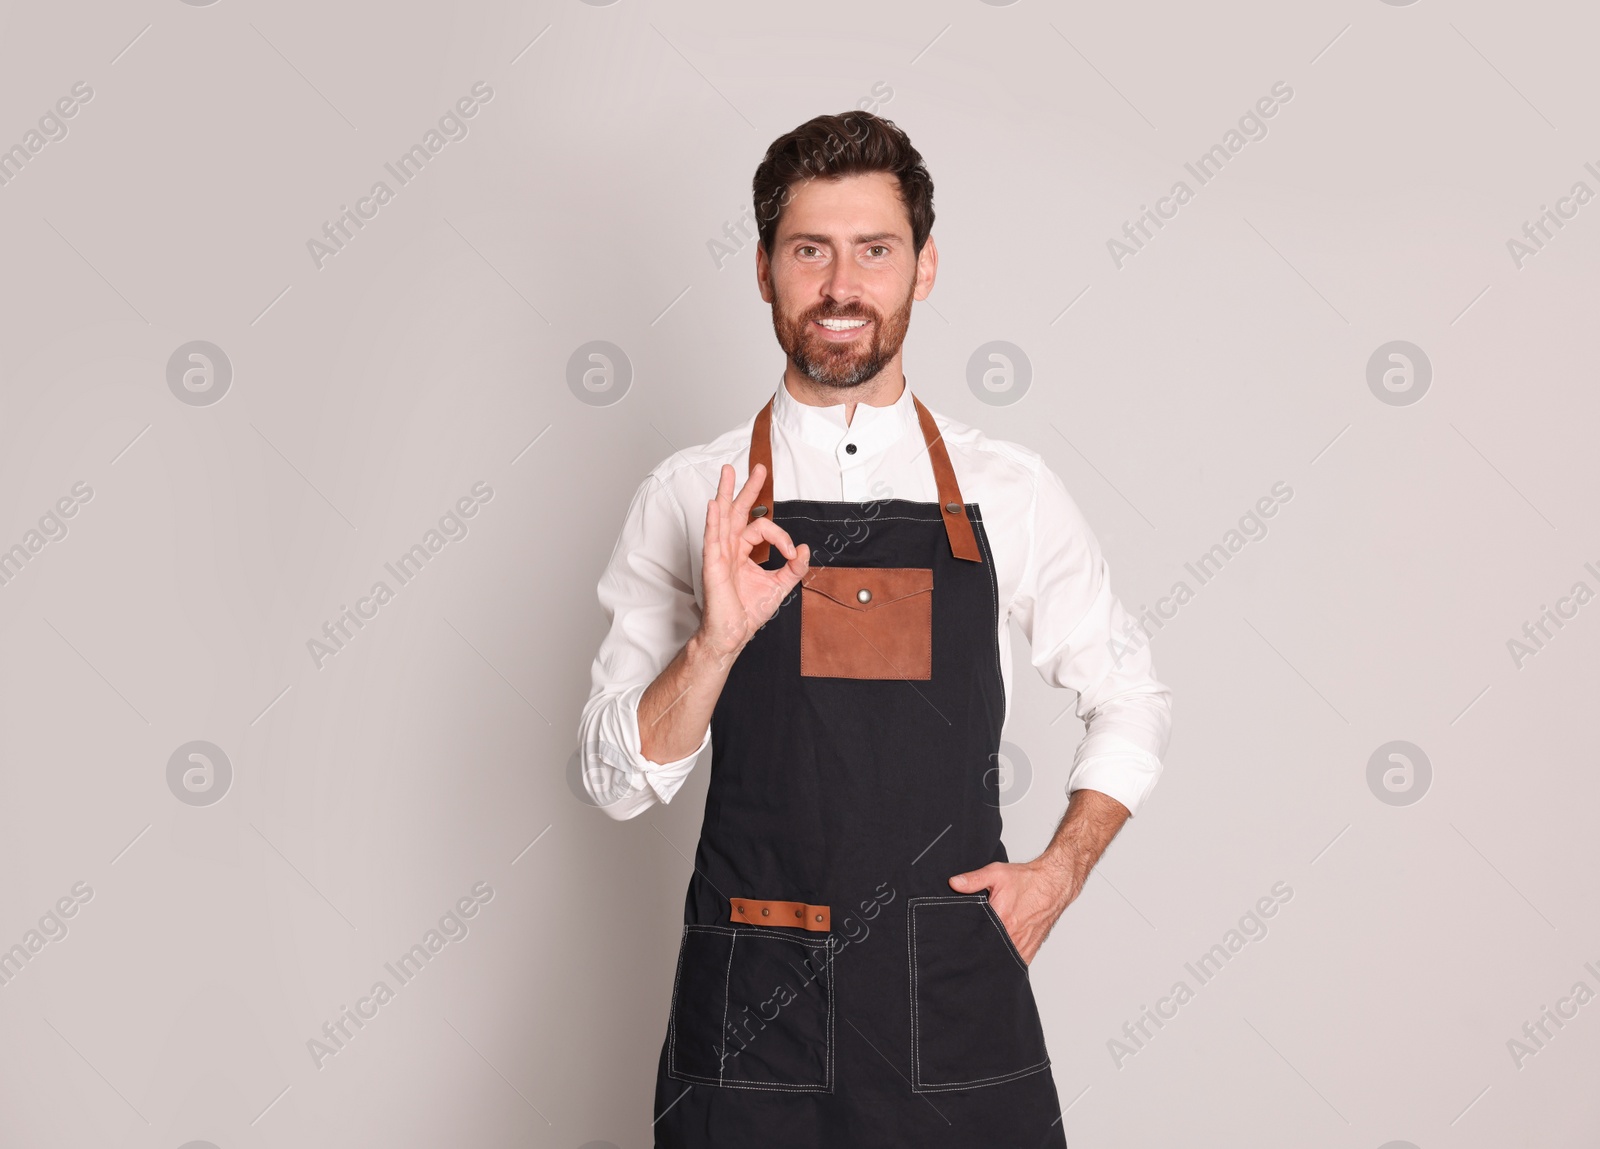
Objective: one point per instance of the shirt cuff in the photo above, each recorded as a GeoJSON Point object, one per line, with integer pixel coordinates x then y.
{"type": "Point", "coordinates": [1117, 768]}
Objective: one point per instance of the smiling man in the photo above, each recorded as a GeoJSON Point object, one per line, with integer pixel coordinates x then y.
{"type": "Point", "coordinates": [824, 595]}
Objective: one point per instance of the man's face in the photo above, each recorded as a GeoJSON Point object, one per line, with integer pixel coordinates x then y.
{"type": "Point", "coordinates": [842, 277]}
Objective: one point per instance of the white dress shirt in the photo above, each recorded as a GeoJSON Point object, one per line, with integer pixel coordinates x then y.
{"type": "Point", "coordinates": [1052, 580]}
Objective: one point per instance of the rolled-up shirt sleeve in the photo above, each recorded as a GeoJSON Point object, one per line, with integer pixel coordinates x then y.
{"type": "Point", "coordinates": [650, 604]}
{"type": "Point", "coordinates": [1083, 639]}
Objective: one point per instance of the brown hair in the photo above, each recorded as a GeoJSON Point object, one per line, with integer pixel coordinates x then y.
{"type": "Point", "coordinates": [830, 147]}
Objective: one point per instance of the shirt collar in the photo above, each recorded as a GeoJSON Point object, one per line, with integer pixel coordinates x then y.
{"type": "Point", "coordinates": [871, 429]}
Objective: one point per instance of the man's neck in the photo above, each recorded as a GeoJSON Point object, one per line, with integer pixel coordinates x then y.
{"type": "Point", "coordinates": [883, 390]}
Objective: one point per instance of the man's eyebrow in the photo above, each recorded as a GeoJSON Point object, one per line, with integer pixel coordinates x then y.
{"type": "Point", "coordinates": [816, 237]}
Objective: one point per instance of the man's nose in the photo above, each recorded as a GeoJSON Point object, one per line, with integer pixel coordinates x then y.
{"type": "Point", "coordinates": [843, 284]}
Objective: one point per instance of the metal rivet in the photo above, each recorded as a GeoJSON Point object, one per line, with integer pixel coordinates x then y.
{"type": "Point", "coordinates": [797, 913]}
{"type": "Point", "coordinates": [863, 595]}
{"type": "Point", "coordinates": [757, 511]}
{"type": "Point", "coordinates": [765, 912]}
{"type": "Point", "coordinates": [741, 909]}
{"type": "Point", "coordinates": [819, 917]}
{"type": "Point", "coordinates": [953, 508]}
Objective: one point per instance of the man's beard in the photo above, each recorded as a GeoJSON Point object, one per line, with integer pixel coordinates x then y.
{"type": "Point", "coordinates": [841, 364]}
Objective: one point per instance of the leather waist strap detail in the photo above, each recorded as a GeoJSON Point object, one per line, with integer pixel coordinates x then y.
{"type": "Point", "coordinates": [797, 915]}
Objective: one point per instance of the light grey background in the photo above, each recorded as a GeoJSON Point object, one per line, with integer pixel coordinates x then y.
{"type": "Point", "coordinates": [433, 752]}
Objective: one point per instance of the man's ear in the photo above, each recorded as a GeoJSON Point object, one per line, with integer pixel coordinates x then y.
{"type": "Point", "coordinates": [927, 268]}
{"type": "Point", "coordinates": [763, 273]}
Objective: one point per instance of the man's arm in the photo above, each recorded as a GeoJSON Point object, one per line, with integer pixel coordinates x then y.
{"type": "Point", "coordinates": [1031, 896]}
{"type": "Point", "coordinates": [1083, 640]}
{"type": "Point", "coordinates": [675, 709]}
{"type": "Point", "coordinates": [638, 743]}
{"type": "Point", "coordinates": [647, 593]}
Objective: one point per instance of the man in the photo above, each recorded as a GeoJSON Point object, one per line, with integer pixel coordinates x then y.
{"type": "Point", "coordinates": [853, 969]}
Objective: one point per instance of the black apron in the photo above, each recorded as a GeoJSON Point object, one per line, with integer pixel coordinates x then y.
{"type": "Point", "coordinates": [832, 990]}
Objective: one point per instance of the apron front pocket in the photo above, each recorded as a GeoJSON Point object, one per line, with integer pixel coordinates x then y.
{"type": "Point", "coordinates": [867, 622]}
{"type": "Point", "coordinates": [973, 1017]}
{"type": "Point", "coordinates": [752, 1009]}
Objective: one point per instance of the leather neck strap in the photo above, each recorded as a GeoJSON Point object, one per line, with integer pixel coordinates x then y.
{"type": "Point", "coordinates": [958, 528]}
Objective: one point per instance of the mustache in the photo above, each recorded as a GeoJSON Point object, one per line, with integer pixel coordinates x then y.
{"type": "Point", "coordinates": [825, 313]}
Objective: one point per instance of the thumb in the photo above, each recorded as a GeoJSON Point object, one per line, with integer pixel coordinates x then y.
{"type": "Point", "coordinates": [973, 880]}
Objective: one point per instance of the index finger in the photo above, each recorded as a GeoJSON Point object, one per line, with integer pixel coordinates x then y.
{"type": "Point", "coordinates": [750, 492]}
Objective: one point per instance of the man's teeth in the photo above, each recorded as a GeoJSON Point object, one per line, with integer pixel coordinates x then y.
{"type": "Point", "coordinates": [842, 324]}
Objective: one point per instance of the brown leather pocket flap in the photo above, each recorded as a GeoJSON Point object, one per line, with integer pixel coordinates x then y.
{"type": "Point", "coordinates": [883, 585]}
{"type": "Point", "coordinates": [867, 622]}
{"type": "Point", "coordinates": [796, 915]}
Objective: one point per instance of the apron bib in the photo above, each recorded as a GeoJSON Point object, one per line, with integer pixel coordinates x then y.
{"type": "Point", "coordinates": [831, 988]}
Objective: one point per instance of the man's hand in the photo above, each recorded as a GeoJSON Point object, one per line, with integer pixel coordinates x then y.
{"type": "Point", "coordinates": [676, 707]}
{"type": "Point", "coordinates": [1029, 897]}
{"type": "Point", "coordinates": [741, 596]}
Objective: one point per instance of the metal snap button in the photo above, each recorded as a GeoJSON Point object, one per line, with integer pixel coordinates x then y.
{"type": "Point", "coordinates": [863, 595]}
{"type": "Point", "coordinates": [819, 917]}
{"type": "Point", "coordinates": [765, 911]}
{"type": "Point", "coordinates": [797, 913]}
{"type": "Point", "coordinates": [953, 508]}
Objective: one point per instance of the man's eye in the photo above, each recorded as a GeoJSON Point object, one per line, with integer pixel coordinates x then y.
{"type": "Point", "coordinates": [807, 249]}
{"type": "Point", "coordinates": [879, 248]}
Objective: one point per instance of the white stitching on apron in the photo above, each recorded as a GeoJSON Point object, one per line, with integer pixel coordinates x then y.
{"type": "Point", "coordinates": [766, 1086]}
{"type": "Point", "coordinates": [917, 1085]}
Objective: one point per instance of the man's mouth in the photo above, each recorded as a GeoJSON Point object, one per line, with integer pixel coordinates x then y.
{"type": "Point", "coordinates": [842, 328]}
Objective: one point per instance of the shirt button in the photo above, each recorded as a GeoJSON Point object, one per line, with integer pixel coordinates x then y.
{"type": "Point", "coordinates": [849, 448]}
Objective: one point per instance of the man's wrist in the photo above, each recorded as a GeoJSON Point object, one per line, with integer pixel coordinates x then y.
{"type": "Point", "coordinates": [703, 651]}
{"type": "Point", "coordinates": [1066, 866]}
{"type": "Point", "coordinates": [1091, 821]}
